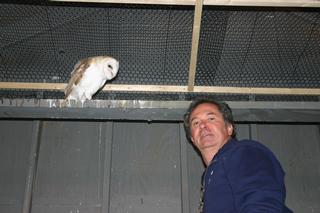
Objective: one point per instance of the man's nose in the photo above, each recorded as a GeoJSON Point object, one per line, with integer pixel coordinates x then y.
{"type": "Point", "coordinates": [203, 124]}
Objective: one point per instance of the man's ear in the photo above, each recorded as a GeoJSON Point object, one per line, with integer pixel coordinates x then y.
{"type": "Point", "coordinates": [230, 129]}
{"type": "Point", "coordinates": [191, 138]}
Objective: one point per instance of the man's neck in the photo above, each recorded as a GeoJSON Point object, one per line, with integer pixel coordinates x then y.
{"type": "Point", "coordinates": [209, 153]}
{"type": "Point", "coordinates": [207, 156]}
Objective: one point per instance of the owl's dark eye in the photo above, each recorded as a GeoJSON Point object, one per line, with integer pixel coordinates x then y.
{"type": "Point", "coordinates": [110, 66]}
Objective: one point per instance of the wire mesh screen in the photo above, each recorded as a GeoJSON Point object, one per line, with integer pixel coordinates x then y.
{"type": "Point", "coordinates": [259, 48]}
{"type": "Point", "coordinates": [241, 47]}
{"type": "Point", "coordinates": [42, 43]}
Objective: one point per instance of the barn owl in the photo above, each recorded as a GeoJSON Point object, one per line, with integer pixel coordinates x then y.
{"type": "Point", "coordinates": [88, 76]}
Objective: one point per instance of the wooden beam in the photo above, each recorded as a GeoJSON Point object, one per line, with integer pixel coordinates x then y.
{"type": "Point", "coordinates": [195, 44]}
{"type": "Point", "coordinates": [145, 88]}
{"type": "Point", "coordinates": [260, 3]}
{"type": "Point", "coordinates": [265, 3]}
{"type": "Point", "coordinates": [35, 86]}
{"type": "Point", "coordinates": [169, 88]}
{"type": "Point", "coordinates": [141, 110]}
{"type": "Point", "coordinates": [258, 90]}
{"type": "Point", "coordinates": [157, 2]}
{"type": "Point", "coordinates": [213, 89]}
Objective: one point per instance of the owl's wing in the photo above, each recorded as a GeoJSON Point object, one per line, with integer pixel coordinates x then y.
{"type": "Point", "coordinates": [77, 74]}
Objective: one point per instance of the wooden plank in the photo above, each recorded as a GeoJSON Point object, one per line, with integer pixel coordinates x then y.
{"type": "Point", "coordinates": [169, 88]}
{"type": "Point", "coordinates": [195, 44]}
{"type": "Point", "coordinates": [267, 3]}
{"type": "Point", "coordinates": [257, 111]}
{"type": "Point", "coordinates": [69, 168]}
{"type": "Point", "coordinates": [145, 88]}
{"type": "Point", "coordinates": [214, 89]}
{"type": "Point", "coordinates": [298, 159]}
{"type": "Point", "coordinates": [258, 90]}
{"type": "Point", "coordinates": [106, 129]}
{"type": "Point", "coordinates": [27, 85]}
{"type": "Point", "coordinates": [145, 168]}
{"type": "Point", "coordinates": [184, 171]}
{"type": "Point", "coordinates": [16, 144]}
{"type": "Point", "coordinates": [159, 2]}
{"type": "Point", "coordinates": [32, 166]}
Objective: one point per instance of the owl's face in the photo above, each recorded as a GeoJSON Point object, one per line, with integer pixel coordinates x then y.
{"type": "Point", "coordinates": [111, 67]}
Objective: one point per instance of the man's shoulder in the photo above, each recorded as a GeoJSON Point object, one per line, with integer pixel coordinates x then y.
{"type": "Point", "coordinates": [248, 144]}
{"type": "Point", "coordinates": [249, 151]}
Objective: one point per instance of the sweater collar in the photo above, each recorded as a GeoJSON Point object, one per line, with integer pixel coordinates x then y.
{"type": "Point", "coordinates": [231, 143]}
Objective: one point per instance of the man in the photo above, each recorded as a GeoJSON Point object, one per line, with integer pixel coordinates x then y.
{"type": "Point", "coordinates": [240, 176]}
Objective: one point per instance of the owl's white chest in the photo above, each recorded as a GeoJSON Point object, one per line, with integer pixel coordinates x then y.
{"type": "Point", "coordinates": [93, 77]}
{"type": "Point", "coordinates": [92, 80]}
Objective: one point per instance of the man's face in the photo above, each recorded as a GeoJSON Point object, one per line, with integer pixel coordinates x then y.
{"type": "Point", "coordinates": [208, 128]}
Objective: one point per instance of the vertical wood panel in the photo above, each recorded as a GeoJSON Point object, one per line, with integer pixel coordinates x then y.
{"type": "Point", "coordinates": [69, 177]}
{"type": "Point", "coordinates": [243, 131]}
{"type": "Point", "coordinates": [184, 171]}
{"type": "Point", "coordinates": [195, 170]}
{"type": "Point", "coordinates": [298, 149]}
{"type": "Point", "coordinates": [32, 167]}
{"type": "Point", "coordinates": [15, 142]}
{"type": "Point", "coordinates": [145, 168]}
{"type": "Point", "coordinates": [108, 136]}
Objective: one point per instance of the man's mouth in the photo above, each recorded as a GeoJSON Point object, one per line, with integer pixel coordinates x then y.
{"type": "Point", "coordinates": [205, 134]}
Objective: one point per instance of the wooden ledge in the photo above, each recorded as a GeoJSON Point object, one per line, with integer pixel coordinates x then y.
{"type": "Point", "coordinates": [169, 88]}
{"type": "Point", "coordinates": [262, 3]}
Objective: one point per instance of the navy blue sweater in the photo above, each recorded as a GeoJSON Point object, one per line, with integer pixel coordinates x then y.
{"type": "Point", "coordinates": [244, 176]}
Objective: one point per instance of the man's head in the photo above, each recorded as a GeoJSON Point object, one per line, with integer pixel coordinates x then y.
{"type": "Point", "coordinates": [209, 123]}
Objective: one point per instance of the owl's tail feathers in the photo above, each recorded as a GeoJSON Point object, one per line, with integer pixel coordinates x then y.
{"type": "Point", "coordinates": [63, 103]}
{"type": "Point", "coordinates": [67, 90]}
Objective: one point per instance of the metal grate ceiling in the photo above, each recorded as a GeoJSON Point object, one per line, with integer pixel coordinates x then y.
{"type": "Point", "coordinates": [238, 47]}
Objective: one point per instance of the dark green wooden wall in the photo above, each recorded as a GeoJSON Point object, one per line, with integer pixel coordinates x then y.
{"type": "Point", "coordinates": [135, 167]}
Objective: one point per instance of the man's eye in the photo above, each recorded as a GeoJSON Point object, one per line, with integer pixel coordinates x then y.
{"type": "Point", "coordinates": [211, 118]}
{"type": "Point", "coordinates": [195, 123]}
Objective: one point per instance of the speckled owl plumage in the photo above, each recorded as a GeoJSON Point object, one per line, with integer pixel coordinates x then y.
{"type": "Point", "coordinates": [89, 75]}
